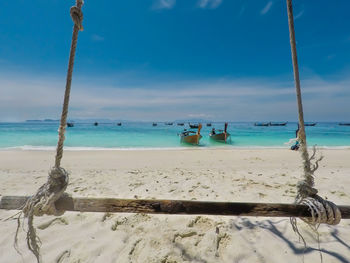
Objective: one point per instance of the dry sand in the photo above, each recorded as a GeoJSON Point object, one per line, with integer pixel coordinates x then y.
{"type": "Point", "coordinates": [255, 175]}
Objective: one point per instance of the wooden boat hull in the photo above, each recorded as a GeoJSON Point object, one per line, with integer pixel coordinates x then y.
{"type": "Point", "coordinates": [278, 124]}
{"type": "Point", "coordinates": [220, 137]}
{"type": "Point", "coordinates": [310, 124]}
{"type": "Point", "coordinates": [261, 124]}
{"type": "Point", "coordinates": [191, 139]}
{"type": "Point", "coordinates": [344, 124]}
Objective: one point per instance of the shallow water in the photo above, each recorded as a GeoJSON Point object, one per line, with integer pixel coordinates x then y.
{"type": "Point", "coordinates": [132, 135]}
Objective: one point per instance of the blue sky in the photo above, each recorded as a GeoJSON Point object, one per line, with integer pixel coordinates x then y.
{"type": "Point", "coordinates": [175, 59]}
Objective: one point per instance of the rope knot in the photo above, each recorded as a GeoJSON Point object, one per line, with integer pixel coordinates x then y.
{"type": "Point", "coordinates": [322, 211]}
{"type": "Point", "coordinates": [77, 17]}
{"type": "Point", "coordinates": [58, 172]}
{"type": "Point", "coordinates": [305, 190]}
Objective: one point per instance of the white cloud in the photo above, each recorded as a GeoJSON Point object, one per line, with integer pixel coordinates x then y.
{"type": "Point", "coordinates": [241, 12]}
{"type": "Point", "coordinates": [266, 9]}
{"type": "Point", "coordinates": [97, 38]}
{"type": "Point", "coordinates": [24, 97]}
{"type": "Point", "coordinates": [211, 4]}
{"type": "Point", "coordinates": [164, 4]}
{"type": "Point", "coordinates": [298, 15]}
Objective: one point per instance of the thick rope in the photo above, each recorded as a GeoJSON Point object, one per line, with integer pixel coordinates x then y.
{"type": "Point", "coordinates": [43, 202]}
{"type": "Point", "coordinates": [322, 211]}
{"type": "Point", "coordinates": [77, 17]}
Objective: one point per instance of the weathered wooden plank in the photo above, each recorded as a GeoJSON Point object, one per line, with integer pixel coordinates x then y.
{"type": "Point", "coordinates": [172, 207]}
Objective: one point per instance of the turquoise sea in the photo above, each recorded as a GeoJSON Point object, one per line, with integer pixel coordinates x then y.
{"type": "Point", "coordinates": [134, 135]}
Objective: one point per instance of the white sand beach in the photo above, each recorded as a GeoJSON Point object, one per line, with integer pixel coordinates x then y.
{"type": "Point", "coordinates": [251, 175]}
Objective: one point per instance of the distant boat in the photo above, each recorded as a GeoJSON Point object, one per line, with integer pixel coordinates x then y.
{"type": "Point", "coordinates": [219, 135]}
{"type": "Point", "coordinates": [96, 124]}
{"type": "Point", "coordinates": [169, 123]}
{"type": "Point", "coordinates": [310, 124]}
{"type": "Point", "coordinates": [191, 137]}
{"type": "Point", "coordinates": [180, 124]}
{"type": "Point", "coordinates": [70, 124]}
{"type": "Point", "coordinates": [208, 124]}
{"type": "Point", "coordinates": [278, 123]}
{"type": "Point", "coordinates": [344, 123]}
{"type": "Point", "coordinates": [261, 124]}
{"type": "Point", "coordinates": [154, 124]}
{"type": "Point", "coordinates": [119, 124]}
{"type": "Point", "coordinates": [193, 126]}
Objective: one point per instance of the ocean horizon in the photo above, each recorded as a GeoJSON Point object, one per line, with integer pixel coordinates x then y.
{"type": "Point", "coordinates": [42, 135]}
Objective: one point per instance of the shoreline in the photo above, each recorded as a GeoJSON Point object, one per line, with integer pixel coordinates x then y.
{"type": "Point", "coordinates": [179, 148]}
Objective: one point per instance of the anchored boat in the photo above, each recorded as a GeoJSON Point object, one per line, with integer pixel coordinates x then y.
{"type": "Point", "coordinates": [219, 135]}
{"type": "Point", "coordinates": [261, 124]}
{"type": "Point", "coordinates": [278, 123]}
{"type": "Point", "coordinates": [193, 126]}
{"type": "Point", "coordinates": [310, 124]}
{"type": "Point", "coordinates": [191, 137]}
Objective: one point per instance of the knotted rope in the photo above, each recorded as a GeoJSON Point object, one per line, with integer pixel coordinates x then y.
{"type": "Point", "coordinates": [322, 211]}
{"type": "Point", "coordinates": [43, 202]}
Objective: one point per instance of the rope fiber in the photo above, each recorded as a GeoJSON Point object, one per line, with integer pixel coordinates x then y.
{"type": "Point", "coordinates": [43, 202]}
{"type": "Point", "coordinates": [323, 211]}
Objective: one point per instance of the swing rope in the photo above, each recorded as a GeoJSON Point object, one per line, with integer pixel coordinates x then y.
{"type": "Point", "coordinates": [323, 211]}
{"type": "Point", "coordinates": [43, 202]}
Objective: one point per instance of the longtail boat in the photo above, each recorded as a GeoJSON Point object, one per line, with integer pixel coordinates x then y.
{"type": "Point", "coordinates": [191, 137]}
{"type": "Point", "coordinates": [219, 135]}
{"type": "Point", "coordinates": [169, 123]}
{"type": "Point", "coordinates": [180, 124]}
{"type": "Point", "coordinates": [208, 124]}
{"type": "Point", "coordinates": [119, 124]}
{"type": "Point", "coordinates": [310, 124]}
{"type": "Point", "coordinates": [70, 124]}
{"type": "Point", "coordinates": [261, 124]}
{"type": "Point", "coordinates": [154, 124]}
{"type": "Point", "coordinates": [277, 123]}
{"type": "Point", "coordinates": [344, 124]}
{"type": "Point", "coordinates": [193, 126]}
{"type": "Point", "coordinates": [96, 124]}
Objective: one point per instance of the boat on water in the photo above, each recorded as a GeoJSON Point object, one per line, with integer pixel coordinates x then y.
{"type": "Point", "coordinates": [169, 123]}
{"type": "Point", "coordinates": [278, 123]}
{"type": "Point", "coordinates": [193, 126]}
{"type": "Point", "coordinates": [119, 124]}
{"type": "Point", "coordinates": [191, 137]}
{"type": "Point", "coordinates": [154, 124]}
{"type": "Point", "coordinates": [310, 124]}
{"type": "Point", "coordinates": [344, 123]}
{"type": "Point", "coordinates": [219, 135]}
{"type": "Point", "coordinates": [180, 124]}
{"type": "Point", "coordinates": [208, 124]}
{"type": "Point", "coordinates": [70, 124]}
{"type": "Point", "coordinates": [261, 124]}
{"type": "Point", "coordinates": [96, 124]}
